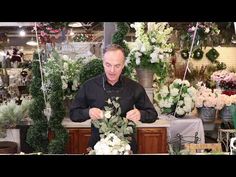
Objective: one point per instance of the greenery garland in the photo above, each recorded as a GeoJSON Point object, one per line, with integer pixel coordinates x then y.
{"type": "Point", "coordinates": [37, 136]}
{"type": "Point", "coordinates": [60, 135]}
{"type": "Point", "coordinates": [118, 38]}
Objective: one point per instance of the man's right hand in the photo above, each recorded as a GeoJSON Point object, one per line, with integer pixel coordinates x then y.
{"type": "Point", "coordinates": [95, 113]}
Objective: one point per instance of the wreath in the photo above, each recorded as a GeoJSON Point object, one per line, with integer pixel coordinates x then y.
{"type": "Point", "coordinates": [185, 54]}
{"type": "Point", "coordinates": [198, 54]}
{"type": "Point", "coordinates": [212, 54]}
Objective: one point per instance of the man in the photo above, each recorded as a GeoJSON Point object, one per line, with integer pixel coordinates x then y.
{"type": "Point", "coordinates": [93, 94]}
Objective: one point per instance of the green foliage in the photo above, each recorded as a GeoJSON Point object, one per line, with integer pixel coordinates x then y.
{"type": "Point", "coordinates": [112, 122]}
{"type": "Point", "coordinates": [37, 134]}
{"type": "Point", "coordinates": [12, 114]}
{"type": "Point", "coordinates": [119, 36]}
{"type": "Point", "coordinates": [91, 69]}
{"type": "Point", "coordinates": [57, 144]}
{"type": "Point", "coordinates": [220, 65]}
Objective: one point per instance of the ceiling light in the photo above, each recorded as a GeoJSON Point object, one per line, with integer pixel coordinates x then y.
{"type": "Point", "coordinates": [22, 33]}
{"type": "Point", "coordinates": [75, 24]}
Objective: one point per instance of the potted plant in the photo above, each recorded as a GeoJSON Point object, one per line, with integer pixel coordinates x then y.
{"type": "Point", "coordinates": [207, 102]}
{"type": "Point", "coordinates": [151, 50]}
{"type": "Point", "coordinates": [12, 115]}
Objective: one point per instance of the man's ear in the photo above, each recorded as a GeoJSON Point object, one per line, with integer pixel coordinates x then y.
{"type": "Point", "coordinates": [123, 70]}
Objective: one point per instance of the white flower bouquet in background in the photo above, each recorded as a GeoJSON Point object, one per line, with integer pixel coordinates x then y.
{"type": "Point", "coordinates": [152, 47]}
{"type": "Point", "coordinates": [178, 97]}
{"type": "Point", "coordinates": [206, 97]}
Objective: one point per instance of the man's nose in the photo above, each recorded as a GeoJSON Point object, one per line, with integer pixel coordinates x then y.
{"type": "Point", "coordinates": [112, 69]}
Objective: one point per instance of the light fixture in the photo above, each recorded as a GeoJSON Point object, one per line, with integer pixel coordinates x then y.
{"type": "Point", "coordinates": [32, 42]}
{"type": "Point", "coordinates": [75, 24]}
{"type": "Point", "coordinates": [22, 33]}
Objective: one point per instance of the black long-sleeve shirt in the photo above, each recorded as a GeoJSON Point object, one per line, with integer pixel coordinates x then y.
{"type": "Point", "coordinates": [96, 91]}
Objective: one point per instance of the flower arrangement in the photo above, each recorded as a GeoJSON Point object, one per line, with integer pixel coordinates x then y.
{"type": "Point", "coordinates": [179, 96]}
{"type": "Point", "coordinates": [111, 144]}
{"type": "Point", "coordinates": [206, 31]}
{"type": "Point", "coordinates": [70, 75]}
{"type": "Point", "coordinates": [115, 131]}
{"type": "Point", "coordinates": [69, 69]}
{"type": "Point", "coordinates": [224, 79]}
{"type": "Point", "coordinates": [206, 97]}
{"type": "Point", "coordinates": [152, 47]}
{"type": "Point", "coordinates": [226, 100]}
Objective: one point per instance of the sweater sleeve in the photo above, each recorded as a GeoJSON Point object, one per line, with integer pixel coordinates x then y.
{"type": "Point", "coordinates": [79, 110]}
{"type": "Point", "coordinates": [146, 108]}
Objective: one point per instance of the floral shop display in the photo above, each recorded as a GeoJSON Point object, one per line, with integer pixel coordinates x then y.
{"type": "Point", "coordinates": [207, 102]}
{"type": "Point", "coordinates": [226, 102]}
{"type": "Point", "coordinates": [206, 34]}
{"type": "Point", "coordinates": [115, 131]}
{"type": "Point", "coordinates": [151, 49]}
{"type": "Point", "coordinates": [12, 114]}
{"type": "Point", "coordinates": [178, 98]}
{"type": "Point", "coordinates": [225, 80]}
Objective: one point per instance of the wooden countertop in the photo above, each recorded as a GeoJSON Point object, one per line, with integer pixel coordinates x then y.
{"type": "Point", "coordinates": [68, 123]}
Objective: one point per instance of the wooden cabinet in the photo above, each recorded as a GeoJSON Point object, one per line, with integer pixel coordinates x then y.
{"type": "Point", "coordinates": [150, 140]}
{"type": "Point", "coordinates": [78, 140]}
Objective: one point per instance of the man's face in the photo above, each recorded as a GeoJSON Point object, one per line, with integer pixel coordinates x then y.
{"type": "Point", "coordinates": [113, 63]}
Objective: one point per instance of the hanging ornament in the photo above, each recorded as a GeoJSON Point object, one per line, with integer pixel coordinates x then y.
{"type": "Point", "coordinates": [212, 54]}
{"type": "Point", "coordinates": [185, 54]}
{"type": "Point", "coordinates": [198, 54]}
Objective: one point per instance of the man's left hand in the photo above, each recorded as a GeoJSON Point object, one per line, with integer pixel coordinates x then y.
{"type": "Point", "coordinates": [133, 115]}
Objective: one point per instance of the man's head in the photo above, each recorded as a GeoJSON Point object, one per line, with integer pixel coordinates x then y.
{"type": "Point", "coordinates": [113, 62]}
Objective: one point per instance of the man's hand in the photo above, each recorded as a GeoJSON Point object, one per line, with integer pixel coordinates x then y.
{"type": "Point", "coordinates": [95, 113]}
{"type": "Point", "coordinates": [133, 115]}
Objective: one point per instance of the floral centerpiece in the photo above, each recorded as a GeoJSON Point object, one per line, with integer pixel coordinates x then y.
{"type": "Point", "coordinates": [115, 131]}
{"type": "Point", "coordinates": [152, 47]}
{"type": "Point", "coordinates": [206, 97]}
{"type": "Point", "coordinates": [207, 102]}
{"type": "Point", "coordinates": [70, 75]}
{"type": "Point", "coordinates": [177, 98]}
{"type": "Point", "coordinates": [226, 80]}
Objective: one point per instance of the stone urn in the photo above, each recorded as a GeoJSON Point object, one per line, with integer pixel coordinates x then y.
{"type": "Point", "coordinates": [145, 77]}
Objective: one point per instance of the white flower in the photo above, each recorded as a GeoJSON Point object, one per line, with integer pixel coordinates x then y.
{"type": "Point", "coordinates": [107, 114]}
{"type": "Point", "coordinates": [111, 145]}
{"type": "Point", "coordinates": [152, 44]}
{"type": "Point", "coordinates": [178, 97]}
